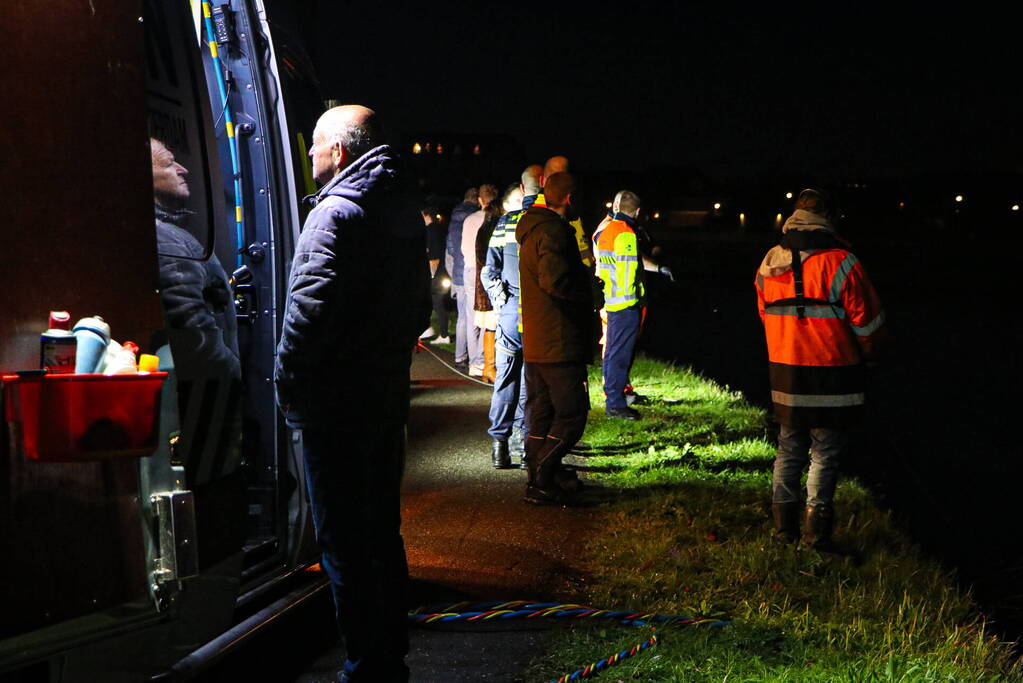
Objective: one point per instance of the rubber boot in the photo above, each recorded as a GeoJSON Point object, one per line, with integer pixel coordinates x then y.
{"type": "Point", "coordinates": [567, 479]}
{"type": "Point", "coordinates": [786, 522]}
{"type": "Point", "coordinates": [489, 357]}
{"type": "Point", "coordinates": [543, 464]}
{"type": "Point", "coordinates": [499, 455]}
{"type": "Point", "coordinates": [517, 447]}
{"type": "Point", "coordinates": [531, 450]}
{"type": "Point", "coordinates": [818, 521]}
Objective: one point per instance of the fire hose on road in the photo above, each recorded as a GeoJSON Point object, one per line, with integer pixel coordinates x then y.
{"type": "Point", "coordinates": [522, 609]}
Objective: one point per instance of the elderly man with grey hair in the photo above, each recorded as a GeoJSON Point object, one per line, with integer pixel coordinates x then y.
{"type": "Point", "coordinates": [358, 298]}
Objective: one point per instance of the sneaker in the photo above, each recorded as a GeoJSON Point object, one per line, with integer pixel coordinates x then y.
{"type": "Point", "coordinates": [625, 413]}
{"type": "Point", "coordinates": [475, 371]}
{"type": "Point", "coordinates": [635, 399]}
{"type": "Point", "coordinates": [441, 340]}
{"type": "Point", "coordinates": [428, 332]}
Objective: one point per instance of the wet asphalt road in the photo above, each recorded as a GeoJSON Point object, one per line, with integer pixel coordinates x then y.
{"type": "Point", "coordinates": [469, 536]}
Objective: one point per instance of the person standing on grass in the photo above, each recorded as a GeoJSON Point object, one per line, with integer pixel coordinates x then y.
{"type": "Point", "coordinates": [823, 321]}
{"type": "Point", "coordinates": [616, 250]}
{"type": "Point", "coordinates": [557, 319]}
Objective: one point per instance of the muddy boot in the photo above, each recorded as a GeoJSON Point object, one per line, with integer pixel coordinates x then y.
{"type": "Point", "coordinates": [818, 521]}
{"type": "Point", "coordinates": [786, 522]}
{"type": "Point", "coordinates": [499, 455]}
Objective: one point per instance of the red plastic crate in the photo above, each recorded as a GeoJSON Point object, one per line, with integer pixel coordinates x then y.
{"type": "Point", "coordinates": [75, 418]}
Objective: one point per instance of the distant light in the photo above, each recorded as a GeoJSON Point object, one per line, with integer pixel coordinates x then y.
{"type": "Point", "coordinates": [608, 205]}
{"type": "Point", "coordinates": [417, 148]}
{"type": "Point", "coordinates": [788, 195]}
{"type": "Point", "coordinates": [1015, 207]}
{"type": "Point", "coordinates": [717, 206]}
{"type": "Point", "coordinates": [428, 147]}
{"type": "Point", "coordinates": [778, 219]}
{"type": "Point", "coordinates": [959, 198]}
{"type": "Point", "coordinates": [657, 214]}
{"type": "Point", "coordinates": [445, 283]}
{"type": "Point", "coordinates": [902, 205]}
{"type": "Point", "coordinates": [742, 219]}
{"type": "Point", "coordinates": [439, 217]}
{"type": "Point", "coordinates": [476, 150]}
{"type": "Point", "coordinates": [440, 148]}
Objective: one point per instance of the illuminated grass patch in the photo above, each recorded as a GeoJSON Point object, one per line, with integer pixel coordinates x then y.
{"type": "Point", "coordinates": [689, 533]}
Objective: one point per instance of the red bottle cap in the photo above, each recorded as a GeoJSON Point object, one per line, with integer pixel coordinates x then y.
{"type": "Point", "coordinates": [60, 320]}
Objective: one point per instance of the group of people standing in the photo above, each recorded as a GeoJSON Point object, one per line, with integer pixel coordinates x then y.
{"type": "Point", "coordinates": [348, 395]}
{"type": "Point", "coordinates": [527, 281]}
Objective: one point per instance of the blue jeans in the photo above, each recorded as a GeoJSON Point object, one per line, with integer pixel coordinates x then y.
{"type": "Point", "coordinates": [353, 477]}
{"type": "Point", "coordinates": [824, 447]}
{"type": "Point", "coordinates": [465, 348]}
{"type": "Point", "coordinates": [622, 330]}
{"type": "Point", "coordinates": [508, 403]}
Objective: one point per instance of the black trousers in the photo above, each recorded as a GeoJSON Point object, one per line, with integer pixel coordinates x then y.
{"type": "Point", "coordinates": [353, 476]}
{"type": "Point", "coordinates": [557, 401]}
{"type": "Point", "coordinates": [440, 299]}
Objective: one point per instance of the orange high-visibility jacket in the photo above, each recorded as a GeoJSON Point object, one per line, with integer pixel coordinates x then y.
{"type": "Point", "coordinates": [816, 344]}
{"type": "Point", "coordinates": [618, 263]}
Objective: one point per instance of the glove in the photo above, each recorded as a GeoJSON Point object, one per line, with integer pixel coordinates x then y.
{"type": "Point", "coordinates": [666, 272]}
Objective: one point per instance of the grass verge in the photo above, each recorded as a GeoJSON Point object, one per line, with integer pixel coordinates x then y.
{"type": "Point", "coordinates": [689, 534]}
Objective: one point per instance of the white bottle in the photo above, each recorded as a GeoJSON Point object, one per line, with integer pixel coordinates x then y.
{"type": "Point", "coordinates": [119, 360]}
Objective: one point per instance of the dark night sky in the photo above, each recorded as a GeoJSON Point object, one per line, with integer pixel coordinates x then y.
{"type": "Point", "coordinates": [731, 91]}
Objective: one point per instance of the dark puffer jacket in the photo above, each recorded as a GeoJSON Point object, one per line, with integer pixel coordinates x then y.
{"type": "Point", "coordinates": [458, 216]}
{"type": "Point", "coordinates": [358, 298]}
{"type": "Point", "coordinates": [555, 291]}
{"type": "Point", "coordinates": [197, 303]}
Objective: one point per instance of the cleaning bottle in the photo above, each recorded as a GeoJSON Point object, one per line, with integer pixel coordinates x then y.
{"type": "Point", "coordinates": [58, 346]}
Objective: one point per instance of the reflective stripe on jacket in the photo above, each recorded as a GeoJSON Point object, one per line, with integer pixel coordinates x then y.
{"type": "Point", "coordinates": [500, 275]}
{"type": "Point", "coordinates": [816, 343]}
{"type": "Point", "coordinates": [617, 253]}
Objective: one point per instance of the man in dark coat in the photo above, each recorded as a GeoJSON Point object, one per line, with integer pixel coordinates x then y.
{"type": "Point", "coordinates": [197, 301]}
{"type": "Point", "coordinates": [201, 333]}
{"type": "Point", "coordinates": [359, 259]}
{"type": "Point", "coordinates": [557, 319]}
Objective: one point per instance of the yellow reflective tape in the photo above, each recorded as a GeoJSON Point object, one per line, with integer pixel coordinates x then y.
{"type": "Point", "coordinates": [238, 214]}
{"type": "Point", "coordinates": [206, 10]}
{"type": "Point", "coordinates": [230, 128]}
{"type": "Point", "coordinates": [213, 48]}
